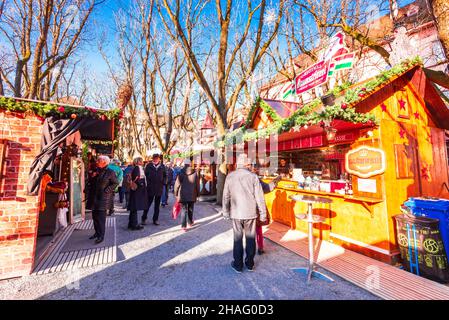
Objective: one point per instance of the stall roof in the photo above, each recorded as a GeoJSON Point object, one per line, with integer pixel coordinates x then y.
{"type": "Point", "coordinates": [283, 108]}
{"type": "Point", "coordinates": [412, 72]}
{"type": "Point", "coordinates": [102, 130]}
{"type": "Point", "coordinates": [208, 122]}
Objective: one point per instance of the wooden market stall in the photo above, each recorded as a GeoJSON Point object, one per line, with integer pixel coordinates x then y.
{"type": "Point", "coordinates": [379, 143]}
{"type": "Point", "coordinates": [40, 164]}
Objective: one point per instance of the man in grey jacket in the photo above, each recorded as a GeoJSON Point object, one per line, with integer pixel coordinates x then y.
{"type": "Point", "coordinates": [242, 198]}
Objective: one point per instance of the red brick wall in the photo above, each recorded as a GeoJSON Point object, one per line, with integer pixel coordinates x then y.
{"type": "Point", "coordinates": [18, 212]}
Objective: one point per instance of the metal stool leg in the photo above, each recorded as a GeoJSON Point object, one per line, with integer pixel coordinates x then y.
{"type": "Point", "coordinates": [310, 270]}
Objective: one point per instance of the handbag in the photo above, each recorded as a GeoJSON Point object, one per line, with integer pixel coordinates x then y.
{"type": "Point", "coordinates": [176, 210]}
{"type": "Point", "coordinates": [133, 185]}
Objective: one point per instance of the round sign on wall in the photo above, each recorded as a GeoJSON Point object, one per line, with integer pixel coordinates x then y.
{"type": "Point", "coordinates": [365, 162]}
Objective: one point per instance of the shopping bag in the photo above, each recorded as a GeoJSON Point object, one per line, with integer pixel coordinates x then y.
{"type": "Point", "coordinates": [176, 210]}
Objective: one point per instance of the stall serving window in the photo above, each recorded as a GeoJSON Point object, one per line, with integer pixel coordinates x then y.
{"type": "Point", "coordinates": [320, 169]}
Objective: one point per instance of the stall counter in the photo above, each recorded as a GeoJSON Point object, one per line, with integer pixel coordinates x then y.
{"type": "Point", "coordinates": [349, 220]}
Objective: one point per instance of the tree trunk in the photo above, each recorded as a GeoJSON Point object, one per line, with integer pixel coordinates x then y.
{"type": "Point", "coordinates": [221, 176]}
{"type": "Point", "coordinates": [222, 169]}
{"type": "Point", "coordinates": [440, 10]}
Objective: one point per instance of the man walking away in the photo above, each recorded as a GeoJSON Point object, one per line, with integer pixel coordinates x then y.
{"type": "Point", "coordinates": [187, 190]}
{"type": "Point", "coordinates": [242, 199]}
{"type": "Point", "coordinates": [104, 183]}
{"type": "Point", "coordinates": [115, 166]}
{"type": "Point", "coordinates": [156, 176]}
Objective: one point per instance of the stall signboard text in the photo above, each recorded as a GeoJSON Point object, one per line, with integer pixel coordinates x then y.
{"type": "Point", "coordinates": [365, 162]}
{"type": "Point", "coordinates": [312, 77]}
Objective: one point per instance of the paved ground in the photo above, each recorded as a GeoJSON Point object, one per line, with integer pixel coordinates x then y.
{"type": "Point", "coordinates": [162, 262]}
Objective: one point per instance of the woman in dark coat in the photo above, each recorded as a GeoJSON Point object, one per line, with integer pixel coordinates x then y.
{"type": "Point", "coordinates": [138, 199]}
{"type": "Point", "coordinates": [104, 182]}
{"type": "Point", "coordinates": [187, 190]}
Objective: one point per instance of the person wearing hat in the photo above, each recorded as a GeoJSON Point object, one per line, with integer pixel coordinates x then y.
{"type": "Point", "coordinates": [156, 176]}
{"type": "Point", "coordinates": [103, 185]}
{"type": "Point", "coordinates": [243, 203]}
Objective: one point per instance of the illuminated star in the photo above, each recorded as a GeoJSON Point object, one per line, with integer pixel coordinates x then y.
{"type": "Point", "coordinates": [384, 107]}
{"type": "Point", "coordinates": [416, 114]}
{"type": "Point", "coordinates": [401, 104]}
{"type": "Point", "coordinates": [402, 133]}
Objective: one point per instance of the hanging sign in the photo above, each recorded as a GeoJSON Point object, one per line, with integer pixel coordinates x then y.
{"type": "Point", "coordinates": [289, 90]}
{"type": "Point", "coordinates": [365, 162]}
{"type": "Point", "coordinates": [312, 77]}
{"type": "Point", "coordinates": [344, 61]}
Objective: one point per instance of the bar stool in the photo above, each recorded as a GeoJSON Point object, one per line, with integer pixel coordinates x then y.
{"type": "Point", "coordinates": [311, 219]}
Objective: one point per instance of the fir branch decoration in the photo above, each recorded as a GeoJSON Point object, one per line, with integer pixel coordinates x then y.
{"type": "Point", "coordinates": [44, 110]}
{"type": "Point", "coordinates": [309, 115]}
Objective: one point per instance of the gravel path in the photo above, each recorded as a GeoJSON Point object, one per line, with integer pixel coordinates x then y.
{"type": "Point", "coordinates": [162, 262]}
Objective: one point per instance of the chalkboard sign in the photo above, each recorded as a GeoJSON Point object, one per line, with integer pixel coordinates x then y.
{"type": "Point", "coordinates": [76, 190]}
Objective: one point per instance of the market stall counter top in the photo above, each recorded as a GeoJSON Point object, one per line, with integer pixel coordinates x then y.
{"type": "Point", "coordinates": [348, 220]}
{"type": "Point", "coordinates": [290, 185]}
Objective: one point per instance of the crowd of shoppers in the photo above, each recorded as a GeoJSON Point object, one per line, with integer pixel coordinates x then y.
{"type": "Point", "coordinates": [141, 185]}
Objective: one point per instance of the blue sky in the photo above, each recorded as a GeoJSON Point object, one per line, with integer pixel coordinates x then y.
{"type": "Point", "coordinates": [104, 18]}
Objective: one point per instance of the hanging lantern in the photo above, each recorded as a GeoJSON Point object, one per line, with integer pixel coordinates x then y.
{"type": "Point", "coordinates": [330, 133]}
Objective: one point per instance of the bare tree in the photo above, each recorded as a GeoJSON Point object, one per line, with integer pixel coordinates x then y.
{"type": "Point", "coordinates": [2, 7]}
{"type": "Point", "coordinates": [440, 10]}
{"type": "Point", "coordinates": [161, 102]}
{"type": "Point", "coordinates": [250, 30]}
{"type": "Point", "coordinates": [42, 35]}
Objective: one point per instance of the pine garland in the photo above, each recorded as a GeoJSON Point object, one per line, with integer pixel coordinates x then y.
{"type": "Point", "coordinates": [308, 115]}
{"type": "Point", "coordinates": [43, 110]}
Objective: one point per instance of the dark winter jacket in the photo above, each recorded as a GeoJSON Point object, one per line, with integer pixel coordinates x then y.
{"type": "Point", "coordinates": [155, 179]}
{"type": "Point", "coordinates": [169, 173]}
{"type": "Point", "coordinates": [187, 185]}
{"type": "Point", "coordinates": [243, 196]}
{"type": "Point", "coordinates": [102, 189]}
{"type": "Point", "coordinates": [138, 199]}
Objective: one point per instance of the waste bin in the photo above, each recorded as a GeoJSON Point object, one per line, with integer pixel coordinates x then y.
{"type": "Point", "coordinates": [421, 247]}
{"type": "Point", "coordinates": [433, 208]}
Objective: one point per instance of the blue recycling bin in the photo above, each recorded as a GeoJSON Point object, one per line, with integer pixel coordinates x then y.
{"type": "Point", "coordinates": [433, 208]}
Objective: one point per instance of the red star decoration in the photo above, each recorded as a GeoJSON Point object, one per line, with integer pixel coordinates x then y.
{"type": "Point", "coordinates": [384, 107]}
{"type": "Point", "coordinates": [401, 104]}
{"type": "Point", "coordinates": [425, 173]}
{"type": "Point", "coordinates": [402, 133]}
{"type": "Point", "coordinates": [416, 114]}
